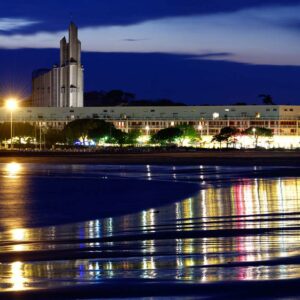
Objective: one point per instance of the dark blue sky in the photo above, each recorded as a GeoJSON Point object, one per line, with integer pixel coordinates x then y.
{"type": "Point", "coordinates": [198, 52]}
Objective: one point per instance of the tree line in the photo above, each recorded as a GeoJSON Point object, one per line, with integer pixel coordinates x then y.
{"type": "Point", "coordinates": [96, 132]}
{"type": "Point", "coordinates": [229, 134]}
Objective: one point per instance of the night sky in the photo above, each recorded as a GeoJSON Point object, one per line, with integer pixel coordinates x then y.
{"type": "Point", "coordinates": [194, 51]}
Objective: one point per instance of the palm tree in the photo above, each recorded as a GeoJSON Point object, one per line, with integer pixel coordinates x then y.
{"type": "Point", "coordinates": [266, 99]}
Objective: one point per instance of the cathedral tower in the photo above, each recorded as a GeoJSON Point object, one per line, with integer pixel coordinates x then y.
{"type": "Point", "coordinates": [71, 71]}
{"type": "Point", "coordinates": [62, 86]}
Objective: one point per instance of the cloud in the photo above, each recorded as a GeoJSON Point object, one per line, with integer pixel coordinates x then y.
{"type": "Point", "coordinates": [220, 55]}
{"type": "Point", "coordinates": [9, 24]}
{"type": "Point", "coordinates": [133, 40]}
{"type": "Point", "coordinates": [262, 35]}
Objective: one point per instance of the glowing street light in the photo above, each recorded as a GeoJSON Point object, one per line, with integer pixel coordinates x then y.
{"type": "Point", "coordinates": [254, 136]}
{"type": "Point", "coordinates": [147, 129]}
{"type": "Point", "coordinates": [11, 105]}
{"type": "Point", "coordinates": [200, 128]}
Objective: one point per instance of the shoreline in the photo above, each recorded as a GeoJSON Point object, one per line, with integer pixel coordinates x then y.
{"type": "Point", "coordinates": [213, 157]}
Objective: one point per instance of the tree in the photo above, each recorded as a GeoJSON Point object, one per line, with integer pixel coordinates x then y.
{"type": "Point", "coordinates": [190, 133]}
{"type": "Point", "coordinates": [267, 99]}
{"type": "Point", "coordinates": [226, 134]}
{"type": "Point", "coordinates": [111, 98]}
{"type": "Point", "coordinates": [4, 131]}
{"type": "Point", "coordinates": [160, 102]}
{"type": "Point", "coordinates": [132, 137]}
{"type": "Point", "coordinates": [78, 129]}
{"type": "Point", "coordinates": [100, 130]}
{"type": "Point", "coordinates": [20, 130]}
{"type": "Point", "coordinates": [86, 129]}
{"type": "Point", "coordinates": [257, 132]}
{"type": "Point", "coordinates": [118, 137]}
{"type": "Point", "coordinates": [54, 136]}
{"type": "Point", "coordinates": [93, 129]}
{"type": "Point", "coordinates": [166, 136]}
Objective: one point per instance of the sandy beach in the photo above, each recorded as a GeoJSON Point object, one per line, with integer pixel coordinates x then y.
{"type": "Point", "coordinates": [214, 157]}
{"type": "Point", "coordinates": [171, 232]}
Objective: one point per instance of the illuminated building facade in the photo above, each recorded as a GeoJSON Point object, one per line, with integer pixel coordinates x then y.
{"type": "Point", "coordinates": [62, 86]}
{"type": "Point", "coordinates": [284, 120]}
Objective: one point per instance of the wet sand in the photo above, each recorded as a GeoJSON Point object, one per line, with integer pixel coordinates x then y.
{"type": "Point", "coordinates": [150, 289]}
{"type": "Point", "coordinates": [214, 157]}
{"type": "Point", "coordinates": [236, 238]}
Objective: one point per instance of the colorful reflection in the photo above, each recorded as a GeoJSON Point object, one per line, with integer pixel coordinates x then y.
{"type": "Point", "coordinates": [150, 244]}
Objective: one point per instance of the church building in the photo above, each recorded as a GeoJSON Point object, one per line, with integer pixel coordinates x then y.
{"type": "Point", "coordinates": [62, 86]}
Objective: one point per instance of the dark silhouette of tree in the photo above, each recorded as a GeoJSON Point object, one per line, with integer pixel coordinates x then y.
{"type": "Point", "coordinates": [93, 129]}
{"type": "Point", "coordinates": [227, 134]}
{"type": "Point", "coordinates": [20, 130]}
{"type": "Point", "coordinates": [118, 136]}
{"type": "Point", "coordinates": [266, 99]}
{"type": "Point", "coordinates": [132, 137]}
{"type": "Point", "coordinates": [160, 102]}
{"type": "Point", "coordinates": [54, 136]}
{"type": "Point", "coordinates": [100, 130]}
{"type": "Point", "coordinates": [82, 128]}
{"type": "Point", "coordinates": [121, 98]}
{"type": "Point", "coordinates": [166, 136]}
{"type": "Point", "coordinates": [258, 132]}
{"type": "Point", "coordinates": [4, 131]}
{"type": "Point", "coordinates": [111, 98]}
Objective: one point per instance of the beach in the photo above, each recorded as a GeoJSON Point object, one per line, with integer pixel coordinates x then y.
{"type": "Point", "coordinates": [88, 230]}
{"type": "Point", "coordinates": [123, 157]}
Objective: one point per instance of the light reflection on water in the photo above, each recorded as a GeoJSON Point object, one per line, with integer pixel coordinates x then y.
{"type": "Point", "coordinates": [78, 253]}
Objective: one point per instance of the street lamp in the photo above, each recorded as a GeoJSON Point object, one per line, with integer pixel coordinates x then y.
{"type": "Point", "coordinates": [147, 129]}
{"type": "Point", "coordinates": [200, 128]}
{"type": "Point", "coordinates": [11, 105]}
{"type": "Point", "coordinates": [254, 131]}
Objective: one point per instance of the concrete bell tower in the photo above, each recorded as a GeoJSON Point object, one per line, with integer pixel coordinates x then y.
{"type": "Point", "coordinates": [71, 70]}
{"type": "Point", "coordinates": [61, 86]}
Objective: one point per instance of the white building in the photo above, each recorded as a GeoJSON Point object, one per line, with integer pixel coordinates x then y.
{"type": "Point", "coordinates": [284, 120]}
{"type": "Point", "coordinates": [62, 86]}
